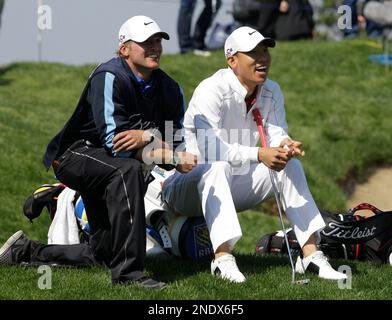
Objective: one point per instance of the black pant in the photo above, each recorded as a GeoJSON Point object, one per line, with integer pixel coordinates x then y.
{"type": "Point", "coordinates": [184, 24]}
{"type": "Point", "coordinates": [268, 15]}
{"type": "Point", "coordinates": [113, 194]}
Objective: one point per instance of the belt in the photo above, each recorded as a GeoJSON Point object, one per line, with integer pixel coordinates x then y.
{"type": "Point", "coordinates": [77, 144]}
{"type": "Point", "coordinates": [80, 143]}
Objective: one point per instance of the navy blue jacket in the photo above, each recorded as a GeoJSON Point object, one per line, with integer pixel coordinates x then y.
{"type": "Point", "coordinates": [113, 101]}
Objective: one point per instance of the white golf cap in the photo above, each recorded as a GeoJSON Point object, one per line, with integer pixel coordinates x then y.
{"type": "Point", "coordinates": [139, 29]}
{"type": "Point", "coordinates": [245, 39]}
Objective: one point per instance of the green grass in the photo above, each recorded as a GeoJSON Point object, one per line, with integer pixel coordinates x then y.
{"type": "Point", "coordinates": [338, 104]}
{"type": "Point", "coordinates": [268, 278]}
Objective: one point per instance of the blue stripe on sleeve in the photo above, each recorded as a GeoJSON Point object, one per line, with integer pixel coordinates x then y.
{"type": "Point", "coordinates": [183, 106]}
{"type": "Point", "coordinates": [109, 110]}
{"type": "Point", "coordinates": [109, 116]}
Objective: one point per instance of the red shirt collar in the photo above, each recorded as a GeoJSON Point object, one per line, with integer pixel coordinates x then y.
{"type": "Point", "coordinates": [251, 100]}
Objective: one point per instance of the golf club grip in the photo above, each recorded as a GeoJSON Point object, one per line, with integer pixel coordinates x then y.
{"type": "Point", "coordinates": [260, 128]}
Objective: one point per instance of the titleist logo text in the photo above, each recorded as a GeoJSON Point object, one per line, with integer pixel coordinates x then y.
{"type": "Point", "coordinates": [346, 232]}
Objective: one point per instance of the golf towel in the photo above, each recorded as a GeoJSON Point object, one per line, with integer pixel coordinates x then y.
{"type": "Point", "coordinates": [64, 228]}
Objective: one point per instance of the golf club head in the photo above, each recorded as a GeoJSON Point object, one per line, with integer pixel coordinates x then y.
{"type": "Point", "coordinates": [301, 282]}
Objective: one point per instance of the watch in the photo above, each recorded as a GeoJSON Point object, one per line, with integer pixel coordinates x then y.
{"type": "Point", "coordinates": [153, 133]}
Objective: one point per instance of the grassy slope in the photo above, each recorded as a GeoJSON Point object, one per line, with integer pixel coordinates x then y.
{"type": "Point", "coordinates": [337, 103]}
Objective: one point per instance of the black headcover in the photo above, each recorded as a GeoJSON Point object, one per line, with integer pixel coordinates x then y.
{"type": "Point", "coordinates": [43, 197]}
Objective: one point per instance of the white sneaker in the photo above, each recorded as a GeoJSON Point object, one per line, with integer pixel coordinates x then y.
{"type": "Point", "coordinates": [202, 53]}
{"type": "Point", "coordinates": [225, 267]}
{"type": "Point", "coordinates": [318, 263]}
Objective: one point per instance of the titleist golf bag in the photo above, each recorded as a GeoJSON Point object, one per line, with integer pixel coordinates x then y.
{"type": "Point", "coordinates": [346, 236]}
{"type": "Point", "coordinates": [166, 234]}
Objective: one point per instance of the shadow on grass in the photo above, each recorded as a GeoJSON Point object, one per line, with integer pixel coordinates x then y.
{"type": "Point", "coordinates": [175, 269]}
{"type": "Point", "coordinates": [3, 71]}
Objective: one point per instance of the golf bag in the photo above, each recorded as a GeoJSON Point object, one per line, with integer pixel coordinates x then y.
{"type": "Point", "coordinates": [219, 34]}
{"type": "Point", "coordinates": [346, 236]}
{"type": "Point", "coordinates": [177, 235]}
{"type": "Point", "coordinates": [166, 233]}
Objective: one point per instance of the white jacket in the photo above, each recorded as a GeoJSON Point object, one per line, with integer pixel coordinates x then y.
{"type": "Point", "coordinates": [217, 126]}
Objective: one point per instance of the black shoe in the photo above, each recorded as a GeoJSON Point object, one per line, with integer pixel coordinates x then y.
{"type": "Point", "coordinates": [16, 241]}
{"type": "Point", "coordinates": [144, 282]}
{"type": "Point", "coordinates": [149, 283]}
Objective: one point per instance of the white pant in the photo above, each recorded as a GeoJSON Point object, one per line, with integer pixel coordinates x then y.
{"type": "Point", "coordinates": [214, 191]}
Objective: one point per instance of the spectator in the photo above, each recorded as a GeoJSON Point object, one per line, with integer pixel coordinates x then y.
{"type": "Point", "coordinates": [379, 12]}
{"type": "Point", "coordinates": [373, 30]}
{"type": "Point", "coordinates": [295, 20]}
{"type": "Point", "coordinates": [282, 20]}
{"type": "Point", "coordinates": [196, 42]}
{"type": "Point", "coordinates": [1, 9]}
{"type": "Point", "coordinates": [267, 17]}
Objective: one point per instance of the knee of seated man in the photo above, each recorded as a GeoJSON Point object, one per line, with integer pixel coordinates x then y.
{"type": "Point", "coordinates": [130, 169]}
{"type": "Point", "coordinates": [131, 165]}
{"type": "Point", "coordinates": [221, 166]}
{"type": "Point", "coordinates": [293, 167]}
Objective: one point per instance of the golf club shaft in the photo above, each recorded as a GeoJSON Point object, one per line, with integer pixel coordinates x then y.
{"type": "Point", "coordinates": [264, 144]}
{"type": "Point", "coordinates": [277, 195]}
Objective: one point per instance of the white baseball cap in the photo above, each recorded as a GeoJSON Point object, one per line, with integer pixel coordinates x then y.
{"type": "Point", "coordinates": [139, 29]}
{"type": "Point", "coordinates": [245, 39]}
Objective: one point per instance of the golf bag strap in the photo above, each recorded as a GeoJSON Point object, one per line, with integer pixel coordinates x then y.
{"type": "Point", "coordinates": [165, 236]}
{"type": "Point", "coordinates": [365, 206]}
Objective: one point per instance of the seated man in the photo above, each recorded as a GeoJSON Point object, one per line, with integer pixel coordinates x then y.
{"type": "Point", "coordinates": [128, 103]}
{"type": "Point", "coordinates": [220, 128]}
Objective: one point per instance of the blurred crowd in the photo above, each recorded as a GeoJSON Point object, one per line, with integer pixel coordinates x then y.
{"type": "Point", "coordinates": [358, 21]}
{"type": "Point", "coordinates": [1, 9]}
{"type": "Point", "coordinates": [278, 19]}
{"type": "Point", "coordinates": [281, 20]}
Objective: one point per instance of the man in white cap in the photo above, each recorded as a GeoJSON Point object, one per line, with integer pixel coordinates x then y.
{"type": "Point", "coordinates": [221, 130]}
{"type": "Point", "coordinates": [99, 153]}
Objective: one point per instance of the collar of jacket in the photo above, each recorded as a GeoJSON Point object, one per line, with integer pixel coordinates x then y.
{"type": "Point", "coordinates": [133, 77]}
{"type": "Point", "coordinates": [237, 86]}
